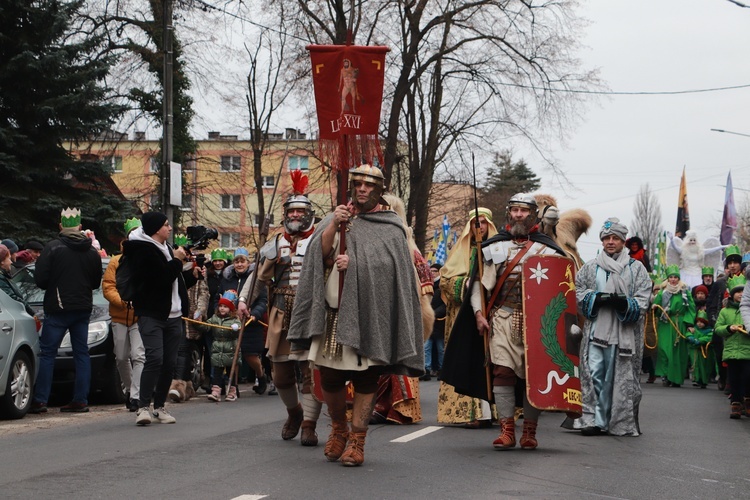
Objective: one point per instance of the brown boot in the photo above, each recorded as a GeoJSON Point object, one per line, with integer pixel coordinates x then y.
{"type": "Point", "coordinates": [293, 421]}
{"type": "Point", "coordinates": [336, 440]}
{"type": "Point", "coordinates": [354, 454]}
{"type": "Point", "coordinates": [189, 390]}
{"type": "Point", "coordinates": [309, 436]}
{"type": "Point", "coordinates": [177, 391]}
{"type": "Point", "coordinates": [507, 438]}
{"type": "Point", "coordinates": [528, 438]}
{"type": "Point", "coordinates": [735, 411]}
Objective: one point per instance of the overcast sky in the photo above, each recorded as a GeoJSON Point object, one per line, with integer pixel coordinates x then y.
{"type": "Point", "coordinates": [626, 141]}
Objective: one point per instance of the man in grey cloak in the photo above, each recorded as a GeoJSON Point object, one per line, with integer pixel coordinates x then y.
{"type": "Point", "coordinates": [613, 293]}
{"type": "Point", "coordinates": [374, 325]}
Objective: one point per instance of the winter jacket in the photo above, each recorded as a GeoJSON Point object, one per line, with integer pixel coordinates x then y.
{"type": "Point", "coordinates": [438, 331]}
{"type": "Point", "coordinates": [68, 270]}
{"type": "Point", "coordinates": [154, 276]}
{"type": "Point", "coordinates": [736, 345]}
{"type": "Point", "coordinates": [230, 280]}
{"type": "Point", "coordinates": [224, 341]}
{"type": "Point", "coordinates": [198, 296]}
{"type": "Point", "coordinates": [121, 312]}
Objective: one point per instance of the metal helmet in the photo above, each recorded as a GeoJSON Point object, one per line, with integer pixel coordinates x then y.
{"type": "Point", "coordinates": [524, 200]}
{"type": "Point", "coordinates": [307, 221]}
{"type": "Point", "coordinates": [372, 175]}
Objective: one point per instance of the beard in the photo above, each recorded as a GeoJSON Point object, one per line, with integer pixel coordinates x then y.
{"type": "Point", "coordinates": [520, 228]}
{"type": "Point", "coordinates": [293, 226]}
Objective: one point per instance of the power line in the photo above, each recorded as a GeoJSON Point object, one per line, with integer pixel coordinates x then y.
{"type": "Point", "coordinates": [208, 6]}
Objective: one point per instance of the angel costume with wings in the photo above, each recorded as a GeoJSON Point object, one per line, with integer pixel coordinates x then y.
{"type": "Point", "coordinates": [691, 255]}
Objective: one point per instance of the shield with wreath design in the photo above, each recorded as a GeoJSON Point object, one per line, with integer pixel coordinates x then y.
{"type": "Point", "coordinates": [551, 334]}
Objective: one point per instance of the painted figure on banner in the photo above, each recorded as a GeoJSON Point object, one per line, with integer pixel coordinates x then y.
{"type": "Point", "coordinates": [348, 87]}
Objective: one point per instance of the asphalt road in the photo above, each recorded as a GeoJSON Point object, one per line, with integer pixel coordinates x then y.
{"type": "Point", "coordinates": [689, 449]}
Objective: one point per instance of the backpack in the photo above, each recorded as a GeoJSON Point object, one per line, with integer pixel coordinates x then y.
{"type": "Point", "coordinates": [124, 280]}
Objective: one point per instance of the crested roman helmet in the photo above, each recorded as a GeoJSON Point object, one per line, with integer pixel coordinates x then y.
{"type": "Point", "coordinates": [298, 199]}
{"type": "Point", "coordinates": [524, 200]}
{"type": "Point", "coordinates": [372, 175]}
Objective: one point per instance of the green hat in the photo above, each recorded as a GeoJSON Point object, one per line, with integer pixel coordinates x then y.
{"type": "Point", "coordinates": [736, 283]}
{"type": "Point", "coordinates": [219, 254]}
{"type": "Point", "coordinates": [673, 270]}
{"type": "Point", "coordinates": [180, 240]}
{"type": "Point", "coordinates": [706, 271]}
{"type": "Point", "coordinates": [131, 224]}
{"type": "Point", "coordinates": [702, 315]}
{"type": "Point", "coordinates": [70, 217]}
{"type": "Point", "coordinates": [732, 254]}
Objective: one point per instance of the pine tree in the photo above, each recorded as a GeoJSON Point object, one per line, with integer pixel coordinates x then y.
{"type": "Point", "coordinates": [504, 179]}
{"type": "Point", "coordinates": [51, 92]}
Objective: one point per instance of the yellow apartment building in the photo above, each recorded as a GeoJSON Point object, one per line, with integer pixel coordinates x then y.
{"type": "Point", "coordinates": [218, 184]}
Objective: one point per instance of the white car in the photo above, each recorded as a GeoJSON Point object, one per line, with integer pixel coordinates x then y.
{"type": "Point", "coordinates": [19, 358]}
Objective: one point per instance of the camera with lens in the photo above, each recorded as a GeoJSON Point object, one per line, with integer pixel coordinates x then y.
{"type": "Point", "coordinates": [200, 236]}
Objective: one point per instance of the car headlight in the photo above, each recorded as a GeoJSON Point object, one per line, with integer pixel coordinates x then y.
{"type": "Point", "coordinates": [97, 332]}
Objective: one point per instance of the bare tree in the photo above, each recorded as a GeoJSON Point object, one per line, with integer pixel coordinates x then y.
{"type": "Point", "coordinates": [462, 75]}
{"type": "Point", "coordinates": [647, 219]}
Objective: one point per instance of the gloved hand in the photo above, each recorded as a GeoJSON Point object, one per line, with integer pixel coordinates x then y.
{"type": "Point", "coordinates": [693, 341]}
{"type": "Point", "coordinates": [619, 302]}
{"type": "Point", "coordinates": [601, 299]}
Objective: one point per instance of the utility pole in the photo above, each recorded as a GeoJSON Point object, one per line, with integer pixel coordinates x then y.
{"type": "Point", "coordinates": [168, 112]}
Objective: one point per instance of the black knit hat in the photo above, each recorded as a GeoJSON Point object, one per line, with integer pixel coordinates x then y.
{"type": "Point", "coordinates": [152, 222]}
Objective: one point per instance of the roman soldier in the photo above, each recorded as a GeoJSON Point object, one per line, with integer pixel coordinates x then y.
{"type": "Point", "coordinates": [280, 264]}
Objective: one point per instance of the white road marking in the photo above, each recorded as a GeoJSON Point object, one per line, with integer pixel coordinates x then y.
{"type": "Point", "coordinates": [249, 497]}
{"type": "Point", "coordinates": [418, 434]}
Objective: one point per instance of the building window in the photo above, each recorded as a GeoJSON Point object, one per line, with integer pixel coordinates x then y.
{"type": "Point", "coordinates": [153, 164]}
{"type": "Point", "coordinates": [114, 162]}
{"type": "Point", "coordinates": [229, 240]}
{"type": "Point", "coordinates": [230, 202]}
{"type": "Point", "coordinates": [268, 181]}
{"type": "Point", "coordinates": [187, 203]}
{"type": "Point", "coordinates": [298, 163]}
{"type": "Point", "coordinates": [256, 219]}
{"type": "Point", "coordinates": [230, 163]}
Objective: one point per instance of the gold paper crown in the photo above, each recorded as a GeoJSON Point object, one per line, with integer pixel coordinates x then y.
{"type": "Point", "coordinates": [70, 217]}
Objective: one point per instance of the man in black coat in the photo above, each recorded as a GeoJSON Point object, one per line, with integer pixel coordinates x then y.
{"type": "Point", "coordinates": [161, 301]}
{"type": "Point", "coordinates": [68, 271]}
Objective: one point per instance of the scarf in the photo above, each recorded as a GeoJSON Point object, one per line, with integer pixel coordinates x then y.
{"type": "Point", "coordinates": [608, 329]}
{"type": "Point", "coordinates": [668, 292]}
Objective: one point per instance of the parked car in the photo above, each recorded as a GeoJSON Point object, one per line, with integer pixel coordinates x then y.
{"type": "Point", "coordinates": [105, 379]}
{"type": "Point", "coordinates": [19, 358]}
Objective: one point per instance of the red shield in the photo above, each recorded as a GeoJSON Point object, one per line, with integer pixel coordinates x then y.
{"type": "Point", "coordinates": [549, 311]}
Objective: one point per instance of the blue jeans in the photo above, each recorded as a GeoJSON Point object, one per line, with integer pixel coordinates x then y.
{"type": "Point", "coordinates": [55, 326]}
{"type": "Point", "coordinates": [440, 344]}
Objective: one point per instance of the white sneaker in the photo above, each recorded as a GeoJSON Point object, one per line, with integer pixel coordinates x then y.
{"type": "Point", "coordinates": [143, 416]}
{"type": "Point", "coordinates": [162, 416]}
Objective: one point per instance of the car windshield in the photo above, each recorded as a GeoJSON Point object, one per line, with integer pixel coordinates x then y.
{"type": "Point", "coordinates": [35, 295]}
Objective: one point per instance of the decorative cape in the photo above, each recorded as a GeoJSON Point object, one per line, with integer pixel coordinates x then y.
{"type": "Point", "coordinates": [464, 358]}
{"type": "Point", "coordinates": [379, 315]}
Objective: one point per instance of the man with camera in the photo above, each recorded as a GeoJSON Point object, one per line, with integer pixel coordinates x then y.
{"type": "Point", "coordinates": [613, 292]}
{"type": "Point", "coordinates": [160, 303]}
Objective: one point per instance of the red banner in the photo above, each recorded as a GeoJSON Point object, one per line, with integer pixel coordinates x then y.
{"type": "Point", "coordinates": [348, 82]}
{"type": "Point", "coordinates": [549, 311]}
